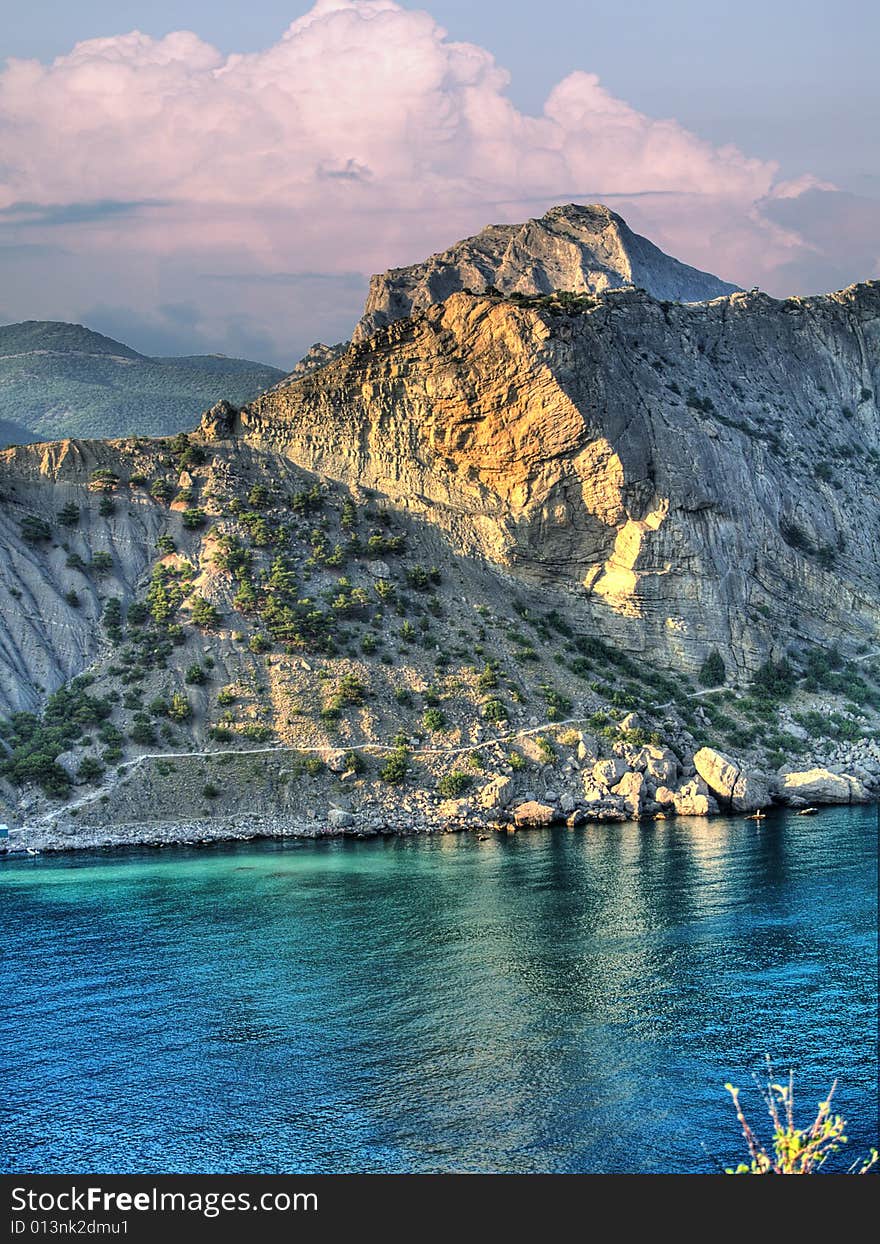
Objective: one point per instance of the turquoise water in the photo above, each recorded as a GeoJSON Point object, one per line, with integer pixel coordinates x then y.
{"type": "Point", "coordinates": [554, 1001]}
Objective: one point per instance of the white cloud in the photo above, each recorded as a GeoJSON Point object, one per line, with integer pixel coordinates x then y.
{"type": "Point", "coordinates": [363, 138]}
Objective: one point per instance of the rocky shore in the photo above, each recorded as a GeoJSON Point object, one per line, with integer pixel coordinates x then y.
{"type": "Point", "coordinates": [583, 781]}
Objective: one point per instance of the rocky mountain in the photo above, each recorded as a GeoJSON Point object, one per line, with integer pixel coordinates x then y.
{"type": "Point", "coordinates": [692, 475]}
{"type": "Point", "coordinates": [581, 249]}
{"type": "Point", "coordinates": [60, 380]}
{"type": "Point", "coordinates": [513, 556]}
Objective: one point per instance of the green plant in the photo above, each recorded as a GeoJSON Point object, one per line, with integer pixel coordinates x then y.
{"type": "Point", "coordinates": [90, 770]}
{"type": "Point", "coordinates": [68, 515]}
{"type": "Point", "coordinates": [395, 767]}
{"type": "Point", "coordinates": [495, 710]}
{"type": "Point", "coordinates": [179, 707]}
{"type": "Point", "coordinates": [35, 530]}
{"type": "Point", "coordinates": [453, 784]}
{"type": "Point", "coordinates": [433, 719]}
{"type": "Point", "coordinates": [203, 613]}
{"type": "Point", "coordinates": [210, 791]}
{"type": "Point", "coordinates": [794, 1150]}
{"type": "Point", "coordinates": [712, 672]}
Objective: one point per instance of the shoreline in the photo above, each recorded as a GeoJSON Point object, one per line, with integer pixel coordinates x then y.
{"type": "Point", "coordinates": [218, 830]}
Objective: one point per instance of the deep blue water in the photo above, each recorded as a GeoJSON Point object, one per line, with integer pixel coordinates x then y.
{"type": "Point", "coordinates": [554, 1001]}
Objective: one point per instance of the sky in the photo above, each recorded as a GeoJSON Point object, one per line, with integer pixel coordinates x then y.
{"type": "Point", "coordinates": [215, 177]}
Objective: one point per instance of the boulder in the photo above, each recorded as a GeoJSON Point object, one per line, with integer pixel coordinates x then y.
{"type": "Point", "coordinates": [630, 789]}
{"type": "Point", "coordinates": [745, 792]}
{"type": "Point", "coordinates": [820, 786]}
{"type": "Point", "coordinates": [533, 815]}
{"type": "Point", "coordinates": [593, 791]}
{"type": "Point", "coordinates": [609, 772]}
{"type": "Point", "coordinates": [694, 799]}
{"type": "Point", "coordinates": [339, 818]}
{"type": "Point", "coordinates": [496, 793]}
{"type": "Point", "coordinates": [588, 748]}
{"type": "Point", "coordinates": [660, 764]}
{"type": "Point", "coordinates": [664, 796]}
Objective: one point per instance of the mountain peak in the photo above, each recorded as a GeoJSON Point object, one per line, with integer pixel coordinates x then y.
{"type": "Point", "coordinates": [580, 248]}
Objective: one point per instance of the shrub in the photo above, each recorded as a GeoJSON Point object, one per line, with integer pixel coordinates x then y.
{"type": "Point", "coordinates": [395, 768]}
{"type": "Point", "coordinates": [433, 719]}
{"type": "Point", "coordinates": [795, 1150]}
{"type": "Point", "coordinates": [161, 490]}
{"type": "Point", "coordinates": [179, 707]}
{"type": "Point", "coordinates": [196, 675]}
{"type": "Point", "coordinates": [68, 515]}
{"type": "Point", "coordinates": [104, 476]}
{"type": "Point", "coordinates": [35, 530]}
{"type": "Point", "coordinates": [495, 710]}
{"type": "Point", "coordinates": [453, 784]}
{"type": "Point", "coordinates": [90, 770]}
{"type": "Point", "coordinates": [488, 678]}
{"type": "Point", "coordinates": [210, 791]}
{"type": "Point", "coordinates": [545, 748]}
{"type": "Point", "coordinates": [203, 613]}
{"type": "Point", "coordinates": [193, 518]}
{"type": "Point", "coordinates": [712, 672]}
{"type": "Point", "coordinates": [775, 679]}
{"type": "Point", "coordinates": [101, 563]}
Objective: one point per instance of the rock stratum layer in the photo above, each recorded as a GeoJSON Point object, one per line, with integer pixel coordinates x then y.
{"type": "Point", "coordinates": [696, 476]}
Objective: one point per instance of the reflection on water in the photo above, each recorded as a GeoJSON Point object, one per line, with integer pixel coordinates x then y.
{"type": "Point", "coordinates": [559, 1001]}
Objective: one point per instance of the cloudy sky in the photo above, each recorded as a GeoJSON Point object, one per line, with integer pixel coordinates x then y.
{"type": "Point", "coordinates": [194, 176]}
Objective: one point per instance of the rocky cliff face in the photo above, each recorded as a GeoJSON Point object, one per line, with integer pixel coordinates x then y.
{"type": "Point", "coordinates": [502, 514]}
{"type": "Point", "coordinates": [582, 249]}
{"type": "Point", "coordinates": [696, 476]}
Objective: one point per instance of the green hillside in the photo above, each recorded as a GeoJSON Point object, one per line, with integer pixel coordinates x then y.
{"type": "Point", "coordinates": [59, 380]}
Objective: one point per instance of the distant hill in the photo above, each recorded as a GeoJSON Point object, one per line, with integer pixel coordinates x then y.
{"type": "Point", "coordinates": [63, 380]}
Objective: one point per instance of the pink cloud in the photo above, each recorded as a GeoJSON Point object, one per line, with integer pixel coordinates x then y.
{"type": "Point", "coordinates": [363, 138]}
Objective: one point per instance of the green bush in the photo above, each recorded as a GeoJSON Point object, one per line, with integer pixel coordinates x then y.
{"type": "Point", "coordinates": [495, 710]}
{"type": "Point", "coordinates": [203, 613]}
{"type": "Point", "coordinates": [68, 515]}
{"type": "Point", "coordinates": [90, 770]}
{"type": "Point", "coordinates": [453, 784]}
{"type": "Point", "coordinates": [35, 530]}
{"type": "Point", "coordinates": [395, 768]}
{"type": "Point", "coordinates": [712, 672]}
{"type": "Point", "coordinates": [179, 707]}
{"type": "Point", "coordinates": [433, 719]}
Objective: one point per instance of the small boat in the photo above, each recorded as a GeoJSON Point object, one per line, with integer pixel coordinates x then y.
{"type": "Point", "coordinates": [757, 816]}
{"type": "Point", "coordinates": [807, 811]}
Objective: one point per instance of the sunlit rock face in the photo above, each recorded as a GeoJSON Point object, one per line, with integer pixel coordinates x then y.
{"type": "Point", "coordinates": [696, 475]}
